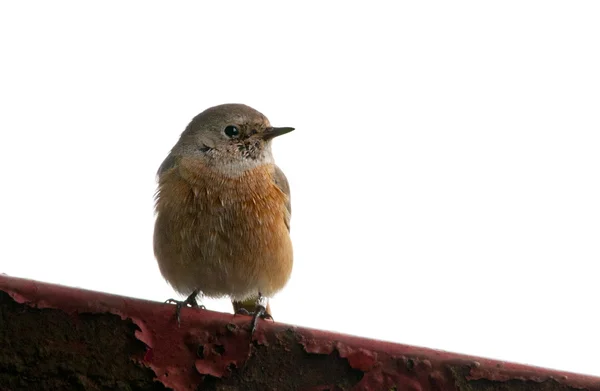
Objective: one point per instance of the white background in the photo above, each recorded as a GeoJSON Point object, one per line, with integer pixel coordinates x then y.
{"type": "Point", "coordinates": [444, 168]}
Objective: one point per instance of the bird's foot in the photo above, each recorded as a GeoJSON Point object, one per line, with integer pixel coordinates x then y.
{"type": "Point", "coordinates": [191, 302]}
{"type": "Point", "coordinates": [259, 312]}
{"type": "Point", "coordinates": [261, 309]}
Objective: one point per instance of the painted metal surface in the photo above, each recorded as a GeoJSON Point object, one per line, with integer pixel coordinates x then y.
{"type": "Point", "coordinates": [54, 337]}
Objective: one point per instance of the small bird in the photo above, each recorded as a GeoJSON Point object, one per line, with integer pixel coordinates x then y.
{"type": "Point", "coordinates": [223, 212]}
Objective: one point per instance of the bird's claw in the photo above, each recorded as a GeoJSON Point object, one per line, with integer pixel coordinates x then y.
{"type": "Point", "coordinates": [243, 311]}
{"type": "Point", "coordinates": [259, 312]}
{"type": "Point", "coordinates": [189, 302]}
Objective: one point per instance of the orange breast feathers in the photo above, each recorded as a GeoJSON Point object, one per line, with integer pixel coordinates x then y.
{"type": "Point", "coordinates": [226, 236]}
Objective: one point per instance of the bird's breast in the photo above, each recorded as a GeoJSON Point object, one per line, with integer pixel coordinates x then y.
{"type": "Point", "coordinates": [222, 233]}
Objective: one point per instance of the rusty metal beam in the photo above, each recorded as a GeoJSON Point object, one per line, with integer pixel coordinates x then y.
{"type": "Point", "coordinates": [54, 338]}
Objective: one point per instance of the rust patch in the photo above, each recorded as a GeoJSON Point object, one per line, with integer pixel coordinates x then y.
{"type": "Point", "coordinates": [464, 382]}
{"type": "Point", "coordinates": [48, 349]}
{"type": "Point", "coordinates": [284, 365]}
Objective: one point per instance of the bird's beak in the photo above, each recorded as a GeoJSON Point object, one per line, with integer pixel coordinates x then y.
{"type": "Point", "coordinates": [271, 133]}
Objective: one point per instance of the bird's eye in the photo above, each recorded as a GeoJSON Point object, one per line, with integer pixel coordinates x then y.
{"type": "Point", "coordinates": [232, 131]}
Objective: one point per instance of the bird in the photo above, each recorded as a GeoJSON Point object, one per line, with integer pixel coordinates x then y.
{"type": "Point", "coordinates": [223, 212]}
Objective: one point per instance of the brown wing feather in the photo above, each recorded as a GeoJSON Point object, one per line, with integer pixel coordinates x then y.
{"type": "Point", "coordinates": [282, 182]}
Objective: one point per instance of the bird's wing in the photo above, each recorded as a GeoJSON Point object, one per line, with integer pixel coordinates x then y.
{"type": "Point", "coordinates": [282, 182]}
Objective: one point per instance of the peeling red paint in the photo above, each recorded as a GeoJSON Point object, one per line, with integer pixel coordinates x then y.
{"type": "Point", "coordinates": [312, 345]}
{"type": "Point", "coordinates": [361, 359]}
{"type": "Point", "coordinates": [216, 351]}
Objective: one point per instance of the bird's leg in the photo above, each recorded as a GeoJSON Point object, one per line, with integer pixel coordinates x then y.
{"type": "Point", "coordinates": [191, 301]}
{"type": "Point", "coordinates": [257, 308]}
{"type": "Point", "coordinates": [260, 311]}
